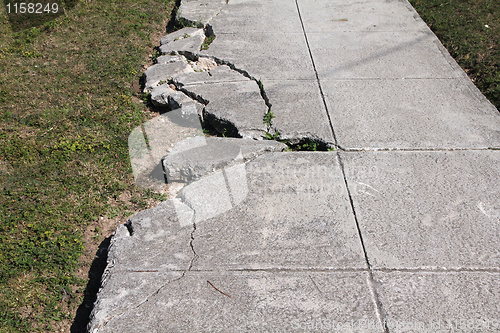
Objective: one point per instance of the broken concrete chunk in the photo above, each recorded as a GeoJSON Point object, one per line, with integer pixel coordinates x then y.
{"type": "Point", "coordinates": [164, 96]}
{"type": "Point", "coordinates": [221, 73]}
{"type": "Point", "coordinates": [158, 247]}
{"type": "Point", "coordinates": [159, 95]}
{"type": "Point", "coordinates": [193, 158]}
{"type": "Point", "coordinates": [181, 34]}
{"type": "Point", "coordinates": [190, 44]}
{"type": "Point", "coordinates": [235, 107]}
{"type": "Point", "coordinates": [166, 59]}
{"type": "Point", "coordinates": [199, 11]}
{"type": "Point", "coordinates": [159, 73]}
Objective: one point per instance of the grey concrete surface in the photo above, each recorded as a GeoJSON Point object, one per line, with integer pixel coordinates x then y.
{"type": "Point", "coordinates": [299, 110]}
{"type": "Point", "coordinates": [238, 106]}
{"type": "Point", "coordinates": [364, 15]}
{"type": "Point", "coordinates": [397, 230]}
{"type": "Point", "coordinates": [250, 51]}
{"type": "Point", "coordinates": [438, 302]}
{"type": "Point", "coordinates": [411, 114]}
{"type": "Point", "coordinates": [241, 17]}
{"type": "Point", "coordinates": [196, 157]}
{"type": "Point", "coordinates": [427, 210]}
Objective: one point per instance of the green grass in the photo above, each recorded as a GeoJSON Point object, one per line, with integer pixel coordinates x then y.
{"type": "Point", "coordinates": [67, 106]}
{"type": "Point", "coordinates": [470, 30]}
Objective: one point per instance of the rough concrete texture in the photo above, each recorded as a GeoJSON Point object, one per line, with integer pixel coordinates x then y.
{"type": "Point", "coordinates": [235, 107]}
{"type": "Point", "coordinates": [439, 302]}
{"type": "Point", "coordinates": [162, 73]}
{"type": "Point", "coordinates": [196, 157]}
{"type": "Point", "coordinates": [191, 44]}
{"type": "Point", "coordinates": [200, 12]}
{"type": "Point", "coordinates": [181, 34]}
{"type": "Point", "coordinates": [432, 210]}
{"type": "Point", "coordinates": [242, 237]}
{"type": "Point", "coordinates": [411, 113]}
{"type": "Point", "coordinates": [395, 231]}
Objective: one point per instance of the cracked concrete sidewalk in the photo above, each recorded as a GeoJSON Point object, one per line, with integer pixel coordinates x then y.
{"type": "Point", "coordinates": [397, 230]}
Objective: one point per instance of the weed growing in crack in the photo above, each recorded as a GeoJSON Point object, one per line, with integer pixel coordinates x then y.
{"type": "Point", "coordinates": [275, 136]}
{"type": "Point", "coordinates": [268, 118]}
{"type": "Point", "coordinates": [206, 43]}
{"type": "Point", "coordinates": [308, 145]}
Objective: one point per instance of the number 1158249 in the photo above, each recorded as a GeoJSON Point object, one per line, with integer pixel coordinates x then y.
{"type": "Point", "coordinates": [32, 8]}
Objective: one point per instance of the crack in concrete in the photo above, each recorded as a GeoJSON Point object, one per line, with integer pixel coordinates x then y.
{"type": "Point", "coordinates": [157, 291]}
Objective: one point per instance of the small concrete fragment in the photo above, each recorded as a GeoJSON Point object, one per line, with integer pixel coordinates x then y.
{"type": "Point", "coordinates": [193, 158]}
{"type": "Point", "coordinates": [166, 59]}
{"type": "Point", "coordinates": [164, 96]}
{"type": "Point", "coordinates": [162, 73]}
{"type": "Point", "coordinates": [154, 139]}
{"type": "Point", "coordinates": [160, 94]}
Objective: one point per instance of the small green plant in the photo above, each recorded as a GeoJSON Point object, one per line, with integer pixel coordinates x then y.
{"type": "Point", "coordinates": [268, 117]}
{"type": "Point", "coordinates": [308, 146]}
{"type": "Point", "coordinates": [206, 43]}
{"type": "Point", "coordinates": [274, 136]}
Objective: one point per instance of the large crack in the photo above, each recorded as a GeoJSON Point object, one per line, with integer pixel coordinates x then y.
{"type": "Point", "coordinates": [129, 226]}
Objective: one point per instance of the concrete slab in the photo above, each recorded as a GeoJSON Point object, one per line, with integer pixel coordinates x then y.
{"type": "Point", "coordinates": [200, 12]}
{"type": "Point", "coordinates": [381, 55]}
{"type": "Point", "coordinates": [250, 51]}
{"type": "Point", "coordinates": [432, 210]}
{"type": "Point", "coordinates": [235, 106]}
{"type": "Point", "coordinates": [183, 33]}
{"type": "Point", "coordinates": [218, 74]}
{"type": "Point", "coordinates": [438, 302]}
{"type": "Point", "coordinates": [190, 44]}
{"type": "Point", "coordinates": [255, 302]}
{"type": "Point", "coordinates": [299, 110]}
{"type": "Point", "coordinates": [196, 157]}
{"type": "Point", "coordinates": [241, 16]}
{"type": "Point", "coordinates": [286, 197]}
{"type": "Point", "coordinates": [363, 15]}
{"type": "Point", "coordinates": [417, 114]}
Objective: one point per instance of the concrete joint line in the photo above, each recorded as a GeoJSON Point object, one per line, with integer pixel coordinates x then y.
{"type": "Point", "coordinates": [372, 282]}
{"type": "Point", "coordinates": [317, 78]}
